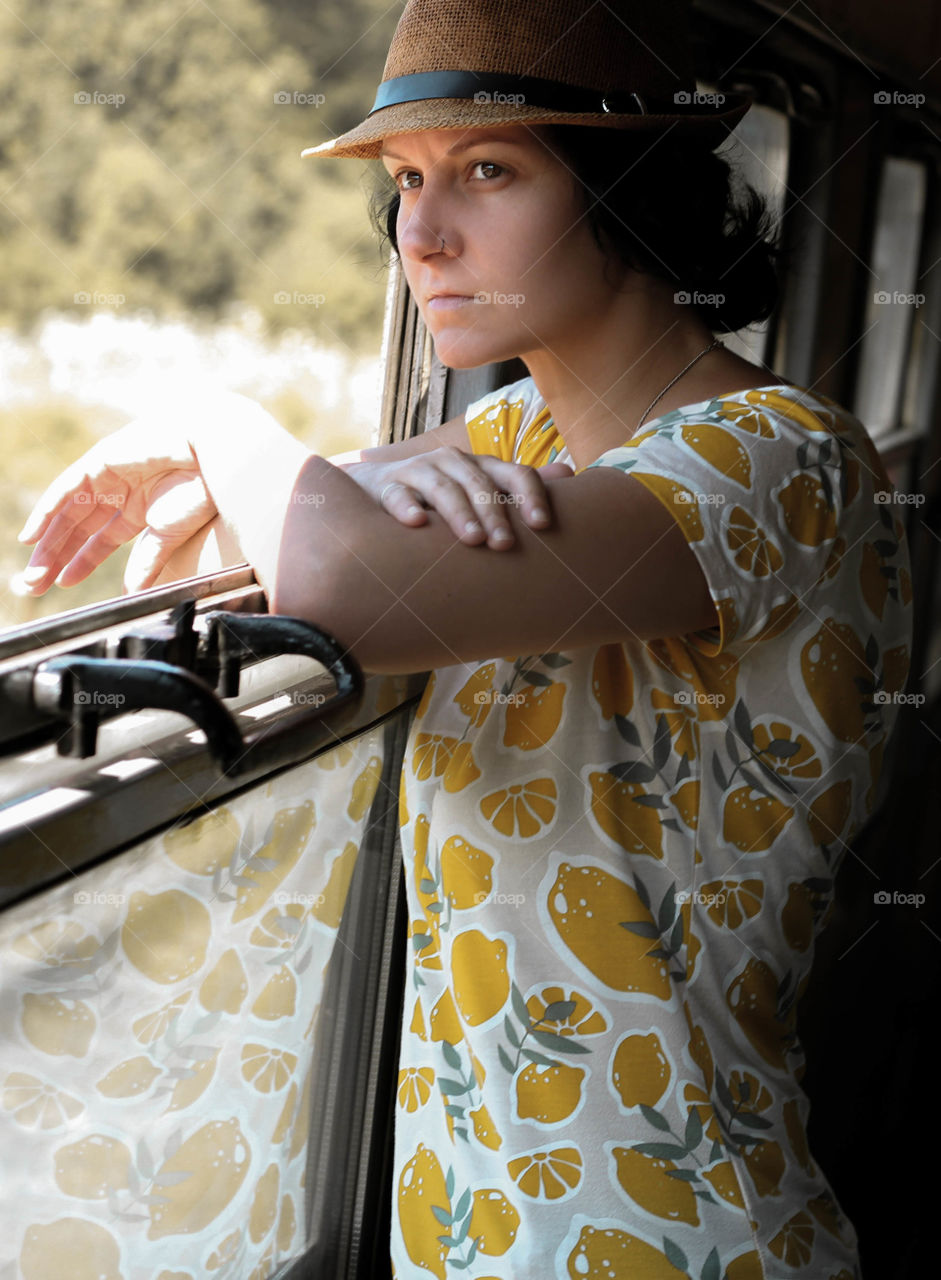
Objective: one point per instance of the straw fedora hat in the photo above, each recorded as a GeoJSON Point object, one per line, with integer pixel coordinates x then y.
{"type": "Point", "coordinates": [618, 64]}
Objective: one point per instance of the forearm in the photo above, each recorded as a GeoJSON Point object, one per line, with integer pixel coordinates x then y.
{"type": "Point", "coordinates": [261, 481]}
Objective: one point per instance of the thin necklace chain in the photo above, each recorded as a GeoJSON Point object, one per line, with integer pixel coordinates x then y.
{"type": "Point", "coordinates": [656, 400]}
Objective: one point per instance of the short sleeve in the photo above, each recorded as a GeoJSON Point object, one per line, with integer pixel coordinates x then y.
{"type": "Point", "coordinates": [757, 489]}
{"type": "Point", "coordinates": [496, 420]}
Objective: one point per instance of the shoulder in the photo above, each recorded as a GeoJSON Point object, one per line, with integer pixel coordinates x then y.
{"type": "Point", "coordinates": [495, 420]}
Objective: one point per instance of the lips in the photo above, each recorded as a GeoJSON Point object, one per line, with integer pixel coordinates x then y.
{"type": "Point", "coordinates": [441, 301]}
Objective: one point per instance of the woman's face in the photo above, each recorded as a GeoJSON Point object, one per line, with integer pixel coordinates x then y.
{"type": "Point", "coordinates": [520, 266]}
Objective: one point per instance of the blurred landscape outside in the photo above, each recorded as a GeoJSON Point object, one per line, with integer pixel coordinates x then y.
{"type": "Point", "coordinates": [160, 231]}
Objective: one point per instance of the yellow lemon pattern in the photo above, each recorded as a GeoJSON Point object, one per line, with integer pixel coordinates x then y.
{"type": "Point", "coordinates": [618, 859]}
{"type": "Point", "coordinates": [162, 1021]}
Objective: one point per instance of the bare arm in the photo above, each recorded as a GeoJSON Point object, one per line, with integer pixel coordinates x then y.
{"type": "Point", "coordinates": [214, 547]}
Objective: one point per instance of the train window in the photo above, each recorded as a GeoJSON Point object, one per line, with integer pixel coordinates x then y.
{"type": "Point", "coordinates": [759, 150]}
{"type": "Point", "coordinates": [893, 297]}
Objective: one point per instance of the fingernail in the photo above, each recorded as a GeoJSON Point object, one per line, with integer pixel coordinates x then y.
{"type": "Point", "coordinates": [473, 526]}
{"type": "Point", "coordinates": [413, 511]}
{"type": "Point", "coordinates": [502, 535]}
{"type": "Point", "coordinates": [19, 586]}
{"type": "Point", "coordinates": [33, 572]}
{"type": "Point", "coordinates": [539, 513]}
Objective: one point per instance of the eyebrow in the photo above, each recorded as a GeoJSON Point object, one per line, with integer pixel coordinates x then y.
{"type": "Point", "coordinates": [493, 136]}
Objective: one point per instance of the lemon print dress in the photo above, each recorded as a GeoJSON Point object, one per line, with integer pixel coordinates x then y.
{"type": "Point", "coordinates": [617, 861]}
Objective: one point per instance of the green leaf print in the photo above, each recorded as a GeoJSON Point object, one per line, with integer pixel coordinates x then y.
{"type": "Point", "coordinates": [627, 729]}
{"type": "Point", "coordinates": [442, 1215]}
{"type": "Point", "coordinates": [449, 1182]}
{"type": "Point", "coordinates": [555, 660]}
{"type": "Point", "coordinates": [675, 1255]}
{"type": "Point", "coordinates": [643, 928]}
{"type": "Point", "coordinates": [711, 1270]}
{"type": "Point", "coordinates": [561, 1044]}
{"type": "Point", "coordinates": [510, 1032]}
{"type": "Point", "coordinates": [537, 678]}
{"type": "Point", "coordinates": [662, 743]}
{"type": "Point", "coordinates": [667, 912]}
{"type": "Point", "coordinates": [654, 1117]}
{"type": "Point", "coordinates": [519, 1004]}
{"type": "Point", "coordinates": [451, 1055]}
{"type": "Point", "coordinates": [559, 1010]}
{"type": "Point", "coordinates": [693, 1135]}
{"type": "Point", "coordinates": [641, 890]}
{"type": "Point", "coordinates": [661, 1150]}
{"type": "Point", "coordinates": [632, 771]}
{"type": "Point", "coordinates": [742, 721]}
{"type": "Point", "coordinates": [538, 1059]}
{"type": "Point", "coordinates": [453, 1088]}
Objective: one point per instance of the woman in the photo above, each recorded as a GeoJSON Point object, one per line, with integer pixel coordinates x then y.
{"type": "Point", "coordinates": [620, 840]}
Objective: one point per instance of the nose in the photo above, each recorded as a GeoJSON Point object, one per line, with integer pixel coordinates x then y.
{"type": "Point", "coordinates": [424, 220]}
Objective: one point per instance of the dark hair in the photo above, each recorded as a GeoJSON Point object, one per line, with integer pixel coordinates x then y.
{"type": "Point", "coordinates": [669, 207]}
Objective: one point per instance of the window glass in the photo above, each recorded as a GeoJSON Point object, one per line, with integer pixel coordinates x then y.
{"type": "Point", "coordinates": [161, 230]}
{"type": "Point", "coordinates": [758, 150]}
{"type": "Point", "coordinates": [175, 1011]}
{"type": "Point", "coordinates": [892, 296]}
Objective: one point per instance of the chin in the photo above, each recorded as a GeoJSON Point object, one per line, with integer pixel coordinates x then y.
{"type": "Point", "coordinates": [461, 354]}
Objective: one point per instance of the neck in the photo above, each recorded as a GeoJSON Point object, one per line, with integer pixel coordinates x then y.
{"type": "Point", "coordinates": [599, 381]}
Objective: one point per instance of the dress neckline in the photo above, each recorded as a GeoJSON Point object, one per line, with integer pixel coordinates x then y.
{"type": "Point", "coordinates": [684, 411]}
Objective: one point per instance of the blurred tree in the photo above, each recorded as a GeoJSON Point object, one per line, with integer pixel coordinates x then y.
{"type": "Point", "coordinates": [150, 158]}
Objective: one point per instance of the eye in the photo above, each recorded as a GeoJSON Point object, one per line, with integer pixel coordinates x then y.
{"type": "Point", "coordinates": [489, 164]}
{"type": "Point", "coordinates": [401, 179]}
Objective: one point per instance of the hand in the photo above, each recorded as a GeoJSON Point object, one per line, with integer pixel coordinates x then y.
{"type": "Point", "coordinates": [461, 487]}
{"type": "Point", "coordinates": [143, 477]}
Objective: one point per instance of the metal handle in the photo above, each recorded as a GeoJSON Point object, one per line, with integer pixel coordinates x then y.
{"type": "Point", "coordinates": [82, 691]}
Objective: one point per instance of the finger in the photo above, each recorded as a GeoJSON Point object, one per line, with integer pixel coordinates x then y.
{"type": "Point", "coordinates": [63, 536]}
{"type": "Point", "coordinates": [524, 487]}
{"type": "Point", "coordinates": [402, 502]}
{"type": "Point", "coordinates": [94, 550]}
{"type": "Point", "coordinates": [150, 555]}
{"type": "Point", "coordinates": [70, 486]}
